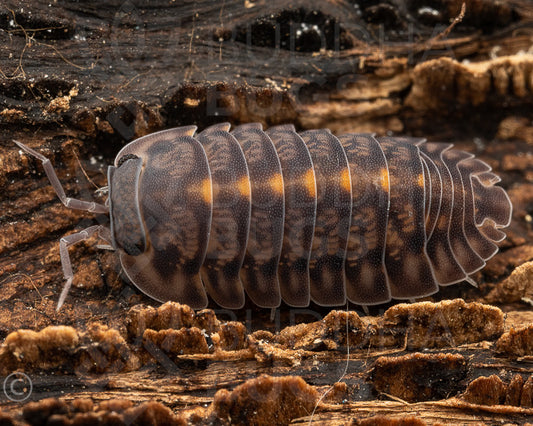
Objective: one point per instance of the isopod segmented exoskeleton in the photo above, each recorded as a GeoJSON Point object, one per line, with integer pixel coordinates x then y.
{"type": "Point", "coordinates": [293, 216]}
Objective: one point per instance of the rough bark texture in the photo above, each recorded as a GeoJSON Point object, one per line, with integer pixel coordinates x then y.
{"type": "Point", "coordinates": [78, 80]}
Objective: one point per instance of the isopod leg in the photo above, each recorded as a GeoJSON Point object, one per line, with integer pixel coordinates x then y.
{"type": "Point", "coordinates": [72, 203]}
{"type": "Point", "coordinates": [64, 244]}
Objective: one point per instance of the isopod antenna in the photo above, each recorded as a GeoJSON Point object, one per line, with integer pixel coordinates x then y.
{"type": "Point", "coordinates": [72, 203]}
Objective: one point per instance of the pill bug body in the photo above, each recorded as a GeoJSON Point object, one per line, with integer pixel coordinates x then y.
{"type": "Point", "coordinates": [299, 217]}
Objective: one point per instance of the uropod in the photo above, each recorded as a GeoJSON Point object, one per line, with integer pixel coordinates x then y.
{"type": "Point", "coordinates": [293, 216]}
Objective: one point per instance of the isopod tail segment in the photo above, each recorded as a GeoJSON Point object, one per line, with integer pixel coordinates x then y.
{"type": "Point", "coordinates": [293, 216]}
{"type": "Point", "coordinates": [72, 203]}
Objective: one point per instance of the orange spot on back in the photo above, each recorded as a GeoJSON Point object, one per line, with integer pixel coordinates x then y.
{"type": "Point", "coordinates": [420, 181]}
{"type": "Point", "coordinates": [310, 183]}
{"type": "Point", "coordinates": [276, 183]}
{"type": "Point", "coordinates": [244, 186]}
{"type": "Point", "coordinates": [384, 179]}
{"type": "Point", "coordinates": [346, 181]}
{"type": "Point", "coordinates": [207, 191]}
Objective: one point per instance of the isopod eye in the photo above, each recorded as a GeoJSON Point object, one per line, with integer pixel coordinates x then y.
{"type": "Point", "coordinates": [125, 158]}
{"type": "Point", "coordinates": [127, 229]}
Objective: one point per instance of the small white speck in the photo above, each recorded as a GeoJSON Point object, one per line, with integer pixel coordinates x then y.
{"type": "Point", "coordinates": [428, 11]}
{"type": "Point", "coordinates": [478, 142]}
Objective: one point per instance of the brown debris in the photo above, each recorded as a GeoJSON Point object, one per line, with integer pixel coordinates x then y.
{"type": "Point", "coordinates": [330, 333]}
{"type": "Point", "coordinates": [516, 342]}
{"type": "Point", "coordinates": [514, 390]}
{"type": "Point", "coordinates": [265, 400]}
{"type": "Point", "coordinates": [230, 337]}
{"type": "Point", "coordinates": [47, 348]}
{"type": "Point", "coordinates": [58, 105]}
{"type": "Point", "coordinates": [526, 398]}
{"type": "Point", "coordinates": [444, 81]}
{"type": "Point", "coordinates": [493, 391]}
{"type": "Point", "coordinates": [267, 352]}
{"type": "Point", "coordinates": [112, 412]}
{"type": "Point", "coordinates": [417, 325]}
{"type": "Point", "coordinates": [486, 391]}
{"type": "Point", "coordinates": [447, 323]}
{"type": "Point", "coordinates": [262, 400]}
{"type": "Point", "coordinates": [381, 420]}
{"type": "Point", "coordinates": [177, 342]}
{"type": "Point", "coordinates": [169, 315]}
{"type": "Point", "coordinates": [335, 394]}
{"type": "Point", "coordinates": [106, 351]}
{"type": "Point", "coordinates": [419, 377]}
{"type": "Point", "coordinates": [178, 329]}
{"type": "Point", "coordinates": [11, 115]}
{"type": "Point", "coordinates": [517, 287]}
{"type": "Point", "coordinates": [514, 127]}
{"type": "Point", "coordinates": [37, 413]}
{"type": "Point", "coordinates": [6, 419]}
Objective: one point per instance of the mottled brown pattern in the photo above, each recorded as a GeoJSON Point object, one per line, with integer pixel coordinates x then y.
{"type": "Point", "coordinates": [259, 273]}
{"type": "Point", "coordinates": [177, 217]}
{"type": "Point", "coordinates": [366, 275]}
{"type": "Point", "coordinates": [299, 182]}
{"type": "Point", "coordinates": [304, 216]}
{"type": "Point", "coordinates": [445, 266]}
{"type": "Point", "coordinates": [231, 216]}
{"type": "Point", "coordinates": [332, 223]}
{"type": "Point", "coordinates": [466, 256]}
{"type": "Point", "coordinates": [407, 264]}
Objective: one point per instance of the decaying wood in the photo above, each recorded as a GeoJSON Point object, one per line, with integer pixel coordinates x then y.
{"type": "Point", "coordinates": [78, 80]}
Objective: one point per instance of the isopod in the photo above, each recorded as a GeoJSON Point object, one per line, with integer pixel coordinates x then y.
{"type": "Point", "coordinates": [290, 216]}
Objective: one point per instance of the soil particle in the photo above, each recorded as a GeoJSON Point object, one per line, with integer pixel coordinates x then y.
{"type": "Point", "coordinates": [517, 287]}
{"type": "Point", "coordinates": [105, 351]}
{"type": "Point", "coordinates": [113, 412]}
{"type": "Point", "coordinates": [493, 391]}
{"type": "Point", "coordinates": [381, 420]}
{"type": "Point", "coordinates": [419, 377]}
{"type": "Point", "coordinates": [486, 391]}
{"type": "Point", "coordinates": [450, 322]}
{"type": "Point", "coordinates": [516, 342]}
{"type": "Point", "coordinates": [47, 348]}
{"type": "Point", "coordinates": [177, 342]}
{"type": "Point", "coordinates": [265, 400]}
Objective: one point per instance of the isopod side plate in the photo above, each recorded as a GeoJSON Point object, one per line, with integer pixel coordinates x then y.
{"type": "Point", "coordinates": [175, 195]}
